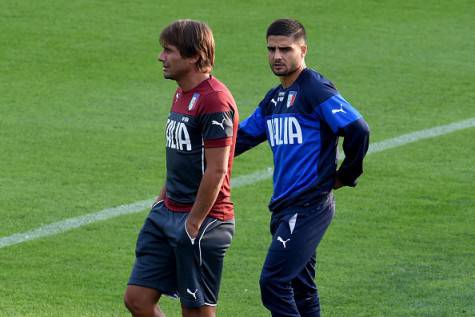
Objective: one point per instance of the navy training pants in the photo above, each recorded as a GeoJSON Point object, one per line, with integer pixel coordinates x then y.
{"type": "Point", "coordinates": [287, 279]}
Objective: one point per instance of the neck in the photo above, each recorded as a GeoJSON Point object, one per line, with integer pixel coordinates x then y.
{"type": "Point", "coordinates": [288, 80]}
{"type": "Point", "coordinates": [191, 80]}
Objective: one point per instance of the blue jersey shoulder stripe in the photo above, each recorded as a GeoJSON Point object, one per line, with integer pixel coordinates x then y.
{"type": "Point", "coordinates": [338, 112]}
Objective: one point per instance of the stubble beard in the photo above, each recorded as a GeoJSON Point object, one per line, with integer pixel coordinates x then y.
{"type": "Point", "coordinates": [289, 71]}
{"type": "Point", "coordinates": [176, 75]}
{"type": "Point", "coordinates": [284, 73]}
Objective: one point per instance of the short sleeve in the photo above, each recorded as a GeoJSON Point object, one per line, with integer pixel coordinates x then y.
{"type": "Point", "coordinates": [217, 121]}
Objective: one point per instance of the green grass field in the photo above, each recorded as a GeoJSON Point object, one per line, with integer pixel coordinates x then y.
{"type": "Point", "coordinates": [82, 113]}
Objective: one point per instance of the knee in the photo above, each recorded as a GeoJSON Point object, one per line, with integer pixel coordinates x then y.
{"type": "Point", "coordinates": [307, 299]}
{"type": "Point", "coordinates": [264, 282]}
{"type": "Point", "coordinates": [130, 302]}
{"type": "Point", "coordinates": [136, 304]}
{"type": "Point", "coordinates": [308, 304]}
{"type": "Point", "coordinates": [266, 291]}
{"type": "Point", "coordinates": [268, 286]}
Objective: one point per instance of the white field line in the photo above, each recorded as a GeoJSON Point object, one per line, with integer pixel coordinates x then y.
{"type": "Point", "coordinates": [240, 181]}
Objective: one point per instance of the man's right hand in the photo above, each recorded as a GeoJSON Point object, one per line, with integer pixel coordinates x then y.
{"type": "Point", "coordinates": [160, 197]}
{"type": "Point", "coordinates": [338, 184]}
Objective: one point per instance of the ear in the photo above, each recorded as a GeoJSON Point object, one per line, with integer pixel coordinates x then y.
{"type": "Point", "coordinates": [303, 49]}
{"type": "Point", "coordinates": [193, 60]}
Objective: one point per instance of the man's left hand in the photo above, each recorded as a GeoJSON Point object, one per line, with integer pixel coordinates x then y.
{"type": "Point", "coordinates": [192, 227]}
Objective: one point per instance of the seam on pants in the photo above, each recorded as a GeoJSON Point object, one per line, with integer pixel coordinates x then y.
{"type": "Point", "coordinates": [189, 237]}
{"type": "Point", "coordinates": [202, 235]}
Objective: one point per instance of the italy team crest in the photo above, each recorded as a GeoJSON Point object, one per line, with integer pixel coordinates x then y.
{"type": "Point", "coordinates": [193, 101]}
{"type": "Point", "coordinates": [291, 98]}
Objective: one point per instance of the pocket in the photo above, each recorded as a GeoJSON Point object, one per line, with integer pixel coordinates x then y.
{"type": "Point", "coordinates": [207, 227]}
{"type": "Point", "coordinates": [192, 240]}
{"type": "Point", "coordinates": [157, 203]}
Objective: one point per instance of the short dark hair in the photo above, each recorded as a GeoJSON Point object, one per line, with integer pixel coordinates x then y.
{"type": "Point", "coordinates": [287, 27]}
{"type": "Point", "coordinates": [191, 38]}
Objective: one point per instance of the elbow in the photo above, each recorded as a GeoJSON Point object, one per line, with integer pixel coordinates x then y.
{"type": "Point", "coordinates": [357, 133]}
{"type": "Point", "coordinates": [221, 172]}
{"type": "Point", "coordinates": [363, 127]}
{"type": "Point", "coordinates": [218, 173]}
{"type": "Point", "coordinates": [358, 128]}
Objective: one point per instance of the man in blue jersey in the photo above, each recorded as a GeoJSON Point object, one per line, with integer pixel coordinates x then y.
{"type": "Point", "coordinates": [302, 119]}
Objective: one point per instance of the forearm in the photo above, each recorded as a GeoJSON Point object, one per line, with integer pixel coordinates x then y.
{"type": "Point", "coordinates": [207, 193]}
{"type": "Point", "coordinates": [246, 141]}
{"type": "Point", "coordinates": [355, 146]}
{"type": "Point", "coordinates": [162, 194]}
{"type": "Point", "coordinates": [211, 182]}
{"type": "Point", "coordinates": [251, 132]}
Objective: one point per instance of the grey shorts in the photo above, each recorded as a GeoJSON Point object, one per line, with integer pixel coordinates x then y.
{"type": "Point", "coordinates": [170, 262]}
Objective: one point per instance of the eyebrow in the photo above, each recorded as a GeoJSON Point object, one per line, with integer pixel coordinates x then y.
{"type": "Point", "coordinates": [269, 47]}
{"type": "Point", "coordinates": [167, 47]}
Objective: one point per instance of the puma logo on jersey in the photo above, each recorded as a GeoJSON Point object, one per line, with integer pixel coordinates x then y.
{"type": "Point", "coordinates": [280, 98]}
{"type": "Point", "coordinates": [339, 110]}
{"type": "Point", "coordinates": [178, 136]}
{"type": "Point", "coordinates": [214, 122]}
{"type": "Point", "coordinates": [284, 130]}
{"type": "Point", "coordinates": [192, 293]}
{"type": "Point", "coordinates": [283, 242]}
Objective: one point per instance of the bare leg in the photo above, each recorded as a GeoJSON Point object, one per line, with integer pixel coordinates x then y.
{"type": "Point", "coordinates": [142, 301]}
{"type": "Point", "coordinates": [203, 311]}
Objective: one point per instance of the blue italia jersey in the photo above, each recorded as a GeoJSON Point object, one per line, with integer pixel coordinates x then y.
{"type": "Point", "coordinates": [302, 124]}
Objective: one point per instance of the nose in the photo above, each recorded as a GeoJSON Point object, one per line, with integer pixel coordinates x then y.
{"type": "Point", "coordinates": [277, 54]}
{"type": "Point", "coordinates": [161, 57]}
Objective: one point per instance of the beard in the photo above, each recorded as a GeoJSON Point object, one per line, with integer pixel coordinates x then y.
{"type": "Point", "coordinates": [169, 76]}
{"type": "Point", "coordinates": [286, 71]}
{"type": "Point", "coordinates": [174, 74]}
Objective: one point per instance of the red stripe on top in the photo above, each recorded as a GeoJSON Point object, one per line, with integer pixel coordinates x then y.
{"type": "Point", "coordinates": [218, 142]}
